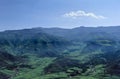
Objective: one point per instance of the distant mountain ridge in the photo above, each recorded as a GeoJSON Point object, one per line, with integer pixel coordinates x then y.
{"type": "Point", "coordinates": [81, 33]}
{"type": "Point", "coordinates": [77, 52]}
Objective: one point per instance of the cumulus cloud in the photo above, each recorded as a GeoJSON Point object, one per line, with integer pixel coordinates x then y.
{"type": "Point", "coordinates": [78, 14]}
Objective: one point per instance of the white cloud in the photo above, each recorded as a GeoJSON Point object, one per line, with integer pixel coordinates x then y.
{"type": "Point", "coordinates": [78, 14]}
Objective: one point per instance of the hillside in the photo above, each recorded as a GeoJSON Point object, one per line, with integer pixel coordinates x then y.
{"type": "Point", "coordinates": [85, 33]}
{"type": "Point", "coordinates": [55, 53]}
{"type": "Point", "coordinates": [30, 41]}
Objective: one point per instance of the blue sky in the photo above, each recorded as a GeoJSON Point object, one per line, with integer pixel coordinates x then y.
{"type": "Point", "coordinates": [18, 14]}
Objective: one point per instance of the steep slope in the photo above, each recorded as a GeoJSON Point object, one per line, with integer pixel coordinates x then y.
{"type": "Point", "coordinates": [6, 59]}
{"type": "Point", "coordinates": [30, 41]}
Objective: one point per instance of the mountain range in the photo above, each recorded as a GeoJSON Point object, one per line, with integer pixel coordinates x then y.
{"type": "Point", "coordinates": [48, 53]}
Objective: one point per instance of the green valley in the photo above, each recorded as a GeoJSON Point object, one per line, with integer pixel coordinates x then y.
{"type": "Point", "coordinates": [55, 53]}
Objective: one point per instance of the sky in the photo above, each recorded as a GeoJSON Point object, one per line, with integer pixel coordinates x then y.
{"type": "Point", "coordinates": [19, 14]}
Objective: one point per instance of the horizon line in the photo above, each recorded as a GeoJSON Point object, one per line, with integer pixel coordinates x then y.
{"type": "Point", "coordinates": [28, 28]}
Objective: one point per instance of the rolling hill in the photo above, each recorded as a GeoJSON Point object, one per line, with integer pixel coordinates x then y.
{"type": "Point", "coordinates": [56, 53]}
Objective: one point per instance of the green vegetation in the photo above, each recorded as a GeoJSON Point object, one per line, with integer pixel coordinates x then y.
{"type": "Point", "coordinates": [55, 54]}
